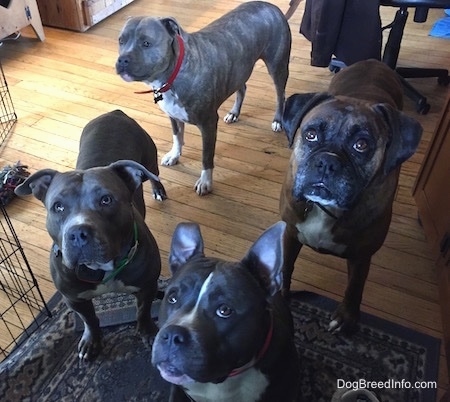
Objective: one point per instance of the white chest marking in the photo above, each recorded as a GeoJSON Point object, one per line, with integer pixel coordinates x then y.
{"type": "Point", "coordinates": [110, 286]}
{"type": "Point", "coordinates": [170, 104]}
{"type": "Point", "coordinates": [315, 231]}
{"type": "Point", "coordinates": [246, 387]}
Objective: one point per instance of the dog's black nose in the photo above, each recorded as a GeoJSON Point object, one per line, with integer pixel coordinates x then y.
{"type": "Point", "coordinates": [123, 61]}
{"type": "Point", "coordinates": [175, 335]}
{"type": "Point", "coordinates": [79, 236]}
{"type": "Point", "coordinates": [328, 163]}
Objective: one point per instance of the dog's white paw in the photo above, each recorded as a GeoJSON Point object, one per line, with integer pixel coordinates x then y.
{"type": "Point", "coordinates": [90, 344]}
{"type": "Point", "coordinates": [170, 159]}
{"type": "Point", "coordinates": [334, 326]}
{"type": "Point", "coordinates": [276, 126]}
{"type": "Point", "coordinates": [203, 185]}
{"type": "Point", "coordinates": [159, 192]}
{"type": "Point", "coordinates": [230, 118]}
{"type": "Point", "coordinates": [158, 197]}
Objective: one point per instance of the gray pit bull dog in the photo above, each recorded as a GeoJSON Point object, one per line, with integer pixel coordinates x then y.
{"type": "Point", "coordinates": [95, 217]}
{"type": "Point", "coordinates": [348, 146]}
{"type": "Point", "coordinates": [191, 75]}
{"type": "Point", "coordinates": [226, 333]}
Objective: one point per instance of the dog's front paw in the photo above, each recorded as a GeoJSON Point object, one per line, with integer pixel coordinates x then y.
{"type": "Point", "coordinates": [89, 346]}
{"type": "Point", "coordinates": [344, 319]}
{"type": "Point", "coordinates": [276, 126]}
{"type": "Point", "coordinates": [147, 331]}
{"type": "Point", "coordinates": [203, 185]}
{"type": "Point", "coordinates": [170, 158]}
{"type": "Point", "coordinates": [159, 192]}
{"type": "Point", "coordinates": [231, 118]}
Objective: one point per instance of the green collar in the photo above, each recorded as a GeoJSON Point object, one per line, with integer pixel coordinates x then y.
{"type": "Point", "coordinates": [127, 259]}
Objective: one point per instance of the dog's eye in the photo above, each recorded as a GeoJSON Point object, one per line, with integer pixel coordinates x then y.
{"type": "Point", "coordinates": [121, 41]}
{"type": "Point", "coordinates": [172, 298]}
{"type": "Point", "coordinates": [146, 43]}
{"type": "Point", "coordinates": [224, 311]}
{"type": "Point", "coordinates": [58, 207]}
{"type": "Point", "coordinates": [311, 136]}
{"type": "Point", "coordinates": [106, 200]}
{"type": "Point", "coordinates": [361, 145]}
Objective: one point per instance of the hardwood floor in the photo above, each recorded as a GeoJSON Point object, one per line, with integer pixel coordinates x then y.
{"type": "Point", "coordinates": [58, 85]}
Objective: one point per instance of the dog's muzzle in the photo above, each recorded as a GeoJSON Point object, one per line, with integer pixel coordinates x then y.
{"type": "Point", "coordinates": [326, 178]}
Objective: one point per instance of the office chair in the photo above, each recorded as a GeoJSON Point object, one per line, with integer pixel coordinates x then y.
{"type": "Point", "coordinates": [392, 47]}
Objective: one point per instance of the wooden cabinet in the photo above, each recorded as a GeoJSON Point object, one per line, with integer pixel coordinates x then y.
{"type": "Point", "coordinates": [17, 14]}
{"type": "Point", "coordinates": [78, 15]}
{"type": "Point", "coordinates": [432, 195]}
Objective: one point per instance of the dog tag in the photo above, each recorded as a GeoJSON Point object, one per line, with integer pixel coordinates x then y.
{"type": "Point", "coordinates": [157, 96]}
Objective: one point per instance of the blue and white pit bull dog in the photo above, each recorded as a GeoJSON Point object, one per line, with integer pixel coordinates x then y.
{"type": "Point", "coordinates": [226, 333]}
{"type": "Point", "coordinates": [192, 74]}
{"type": "Point", "coordinates": [95, 217]}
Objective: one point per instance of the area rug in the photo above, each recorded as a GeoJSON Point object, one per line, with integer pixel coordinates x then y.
{"type": "Point", "coordinates": [46, 366]}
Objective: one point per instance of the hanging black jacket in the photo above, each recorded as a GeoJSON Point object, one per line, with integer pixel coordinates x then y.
{"type": "Point", "coordinates": [348, 29]}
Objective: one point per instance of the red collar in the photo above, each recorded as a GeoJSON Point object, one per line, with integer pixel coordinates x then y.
{"type": "Point", "coordinates": [259, 356]}
{"type": "Point", "coordinates": [157, 92]}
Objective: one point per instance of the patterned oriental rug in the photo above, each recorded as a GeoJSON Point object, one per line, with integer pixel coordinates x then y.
{"type": "Point", "coordinates": [46, 366]}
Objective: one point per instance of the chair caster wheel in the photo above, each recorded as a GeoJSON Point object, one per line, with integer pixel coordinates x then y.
{"type": "Point", "coordinates": [334, 69]}
{"type": "Point", "coordinates": [423, 107]}
{"type": "Point", "coordinates": [444, 81]}
{"type": "Point", "coordinates": [336, 65]}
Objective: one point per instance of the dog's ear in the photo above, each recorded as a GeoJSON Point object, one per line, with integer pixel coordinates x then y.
{"type": "Point", "coordinates": [133, 173]}
{"type": "Point", "coordinates": [171, 25]}
{"type": "Point", "coordinates": [296, 107]}
{"type": "Point", "coordinates": [404, 136]}
{"type": "Point", "coordinates": [37, 184]}
{"type": "Point", "coordinates": [265, 258]}
{"type": "Point", "coordinates": [187, 242]}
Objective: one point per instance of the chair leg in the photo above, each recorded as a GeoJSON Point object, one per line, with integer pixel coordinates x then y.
{"type": "Point", "coordinates": [422, 106]}
{"type": "Point", "coordinates": [390, 57]}
{"type": "Point", "coordinates": [411, 72]}
{"type": "Point", "coordinates": [392, 48]}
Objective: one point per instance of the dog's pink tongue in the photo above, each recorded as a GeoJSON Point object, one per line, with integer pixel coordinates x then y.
{"type": "Point", "coordinates": [173, 375]}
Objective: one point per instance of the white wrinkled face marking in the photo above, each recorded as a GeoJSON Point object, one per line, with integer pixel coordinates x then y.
{"type": "Point", "coordinates": [78, 219]}
{"type": "Point", "coordinates": [190, 317]}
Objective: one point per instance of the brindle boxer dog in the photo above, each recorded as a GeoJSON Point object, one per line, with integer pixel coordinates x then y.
{"type": "Point", "coordinates": [348, 146]}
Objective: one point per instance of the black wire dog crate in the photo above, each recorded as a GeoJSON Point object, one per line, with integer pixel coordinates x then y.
{"type": "Point", "coordinates": [22, 307]}
{"type": "Point", "coordinates": [7, 114]}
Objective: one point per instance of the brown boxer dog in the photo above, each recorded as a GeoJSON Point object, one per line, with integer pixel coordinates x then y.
{"type": "Point", "coordinates": [348, 146]}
